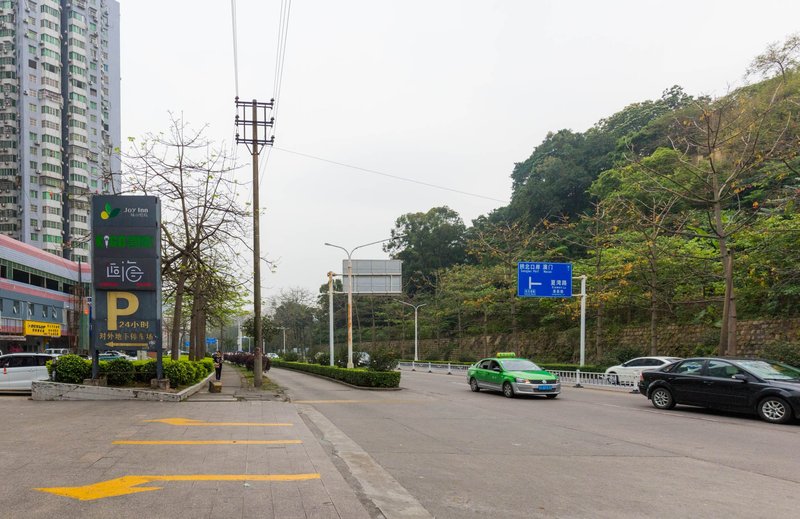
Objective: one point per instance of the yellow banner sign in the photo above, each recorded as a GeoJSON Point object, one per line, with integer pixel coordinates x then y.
{"type": "Point", "coordinates": [43, 329]}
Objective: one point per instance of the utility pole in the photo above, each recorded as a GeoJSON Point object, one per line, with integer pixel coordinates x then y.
{"type": "Point", "coordinates": [253, 143]}
{"type": "Point", "coordinates": [330, 316]}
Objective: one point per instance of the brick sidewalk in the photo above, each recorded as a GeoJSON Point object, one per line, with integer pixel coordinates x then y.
{"type": "Point", "coordinates": [235, 387]}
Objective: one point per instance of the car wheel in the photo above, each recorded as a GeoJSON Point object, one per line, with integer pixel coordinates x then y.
{"type": "Point", "coordinates": [551, 396]}
{"type": "Point", "coordinates": [774, 409]}
{"type": "Point", "coordinates": [613, 379]}
{"type": "Point", "coordinates": [473, 385]}
{"type": "Point", "coordinates": [662, 398]}
{"type": "Point", "coordinates": [508, 391]}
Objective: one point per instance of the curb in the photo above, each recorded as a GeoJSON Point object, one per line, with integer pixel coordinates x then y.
{"type": "Point", "coordinates": [45, 390]}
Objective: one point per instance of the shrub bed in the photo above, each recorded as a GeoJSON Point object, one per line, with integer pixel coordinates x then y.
{"type": "Point", "coordinates": [246, 359]}
{"type": "Point", "coordinates": [73, 369]}
{"type": "Point", "coordinates": [356, 377]}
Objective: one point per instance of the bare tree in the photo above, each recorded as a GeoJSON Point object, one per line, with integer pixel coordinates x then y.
{"type": "Point", "coordinates": [720, 153]}
{"type": "Point", "coordinates": [777, 57]}
{"type": "Point", "coordinates": [200, 214]}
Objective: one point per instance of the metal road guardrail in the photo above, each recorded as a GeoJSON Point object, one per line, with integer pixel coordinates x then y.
{"type": "Point", "coordinates": [575, 378]}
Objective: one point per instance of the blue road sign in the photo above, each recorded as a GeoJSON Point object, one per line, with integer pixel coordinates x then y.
{"type": "Point", "coordinates": [538, 279]}
{"type": "Point", "coordinates": [211, 341]}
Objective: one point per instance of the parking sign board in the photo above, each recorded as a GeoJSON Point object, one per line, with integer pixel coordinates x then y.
{"type": "Point", "coordinates": [541, 279]}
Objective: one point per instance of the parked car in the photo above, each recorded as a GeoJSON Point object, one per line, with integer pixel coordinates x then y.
{"type": "Point", "coordinates": [113, 355]}
{"type": "Point", "coordinates": [513, 376]}
{"type": "Point", "coordinates": [19, 370]}
{"type": "Point", "coordinates": [628, 372]}
{"type": "Point", "coordinates": [273, 355]}
{"type": "Point", "coordinates": [756, 386]}
{"type": "Point", "coordinates": [361, 358]}
{"type": "Point", "coordinates": [57, 351]}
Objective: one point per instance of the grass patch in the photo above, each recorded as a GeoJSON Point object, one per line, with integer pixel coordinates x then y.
{"type": "Point", "coordinates": [248, 376]}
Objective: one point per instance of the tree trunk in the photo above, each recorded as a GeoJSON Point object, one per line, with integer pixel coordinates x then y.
{"type": "Point", "coordinates": [730, 298]}
{"type": "Point", "coordinates": [727, 272]}
{"type": "Point", "coordinates": [653, 322]}
{"type": "Point", "coordinates": [175, 339]}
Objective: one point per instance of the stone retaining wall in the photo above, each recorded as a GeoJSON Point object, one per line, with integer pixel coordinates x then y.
{"type": "Point", "coordinates": [564, 346]}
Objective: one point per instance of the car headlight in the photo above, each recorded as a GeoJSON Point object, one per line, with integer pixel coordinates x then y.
{"type": "Point", "coordinates": [522, 380]}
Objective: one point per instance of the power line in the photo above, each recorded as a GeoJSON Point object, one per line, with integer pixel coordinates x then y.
{"type": "Point", "coordinates": [396, 177]}
{"type": "Point", "coordinates": [280, 60]}
{"type": "Point", "coordinates": [235, 48]}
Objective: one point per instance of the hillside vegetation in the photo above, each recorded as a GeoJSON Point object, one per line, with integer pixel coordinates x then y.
{"type": "Point", "coordinates": [678, 210]}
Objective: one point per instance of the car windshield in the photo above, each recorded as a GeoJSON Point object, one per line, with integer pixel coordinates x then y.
{"type": "Point", "coordinates": [771, 370]}
{"type": "Point", "coordinates": [519, 365]}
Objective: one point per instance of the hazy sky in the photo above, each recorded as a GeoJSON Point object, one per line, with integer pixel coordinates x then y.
{"type": "Point", "coordinates": [445, 92]}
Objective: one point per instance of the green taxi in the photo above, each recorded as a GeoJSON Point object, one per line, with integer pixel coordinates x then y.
{"type": "Point", "coordinates": [513, 376]}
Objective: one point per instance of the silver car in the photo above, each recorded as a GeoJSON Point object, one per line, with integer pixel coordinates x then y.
{"type": "Point", "coordinates": [628, 372]}
{"type": "Point", "coordinates": [19, 370]}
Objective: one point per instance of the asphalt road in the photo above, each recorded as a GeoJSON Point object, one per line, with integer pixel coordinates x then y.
{"type": "Point", "coordinates": [588, 453]}
{"type": "Point", "coordinates": [432, 449]}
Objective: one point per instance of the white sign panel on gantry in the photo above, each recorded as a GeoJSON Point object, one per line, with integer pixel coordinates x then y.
{"type": "Point", "coordinates": [374, 276]}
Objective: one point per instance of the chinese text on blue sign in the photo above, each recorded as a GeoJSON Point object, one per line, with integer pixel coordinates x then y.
{"type": "Point", "coordinates": [539, 279]}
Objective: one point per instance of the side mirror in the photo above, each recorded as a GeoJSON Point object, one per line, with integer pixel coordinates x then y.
{"type": "Point", "coordinates": [740, 376]}
{"type": "Point", "coordinates": [497, 370]}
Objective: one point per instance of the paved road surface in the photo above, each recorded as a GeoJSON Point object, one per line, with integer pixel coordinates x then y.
{"type": "Point", "coordinates": [588, 453]}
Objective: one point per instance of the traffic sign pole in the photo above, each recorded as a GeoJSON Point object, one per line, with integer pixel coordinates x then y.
{"type": "Point", "coordinates": [583, 319]}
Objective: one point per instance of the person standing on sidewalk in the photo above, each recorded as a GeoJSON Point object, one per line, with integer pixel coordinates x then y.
{"type": "Point", "coordinates": [218, 363]}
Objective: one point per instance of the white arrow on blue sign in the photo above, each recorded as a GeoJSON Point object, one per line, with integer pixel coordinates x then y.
{"type": "Point", "coordinates": [542, 279]}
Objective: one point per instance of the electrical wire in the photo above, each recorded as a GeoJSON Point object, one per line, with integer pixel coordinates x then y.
{"type": "Point", "coordinates": [396, 177]}
{"type": "Point", "coordinates": [235, 48]}
{"type": "Point", "coordinates": [280, 60]}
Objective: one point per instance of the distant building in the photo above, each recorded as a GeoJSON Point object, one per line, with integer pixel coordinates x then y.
{"type": "Point", "coordinates": [59, 119]}
{"type": "Point", "coordinates": [43, 301]}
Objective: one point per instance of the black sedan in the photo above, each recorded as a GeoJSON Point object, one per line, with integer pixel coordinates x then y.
{"type": "Point", "coordinates": [755, 386]}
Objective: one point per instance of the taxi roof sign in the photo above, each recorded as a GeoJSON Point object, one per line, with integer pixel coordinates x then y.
{"type": "Point", "coordinates": [506, 354]}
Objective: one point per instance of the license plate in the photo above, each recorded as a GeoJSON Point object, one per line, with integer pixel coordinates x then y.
{"type": "Point", "coordinates": [545, 388]}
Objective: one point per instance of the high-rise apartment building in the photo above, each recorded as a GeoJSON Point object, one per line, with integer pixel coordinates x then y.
{"type": "Point", "coordinates": [59, 119]}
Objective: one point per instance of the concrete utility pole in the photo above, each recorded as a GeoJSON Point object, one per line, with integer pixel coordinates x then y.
{"type": "Point", "coordinates": [253, 143]}
{"type": "Point", "coordinates": [349, 253]}
{"type": "Point", "coordinates": [330, 315]}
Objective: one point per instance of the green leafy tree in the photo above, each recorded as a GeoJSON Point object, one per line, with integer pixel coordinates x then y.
{"type": "Point", "coordinates": [426, 243]}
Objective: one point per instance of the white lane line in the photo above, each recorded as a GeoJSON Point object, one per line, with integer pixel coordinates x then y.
{"type": "Point", "coordinates": [393, 500]}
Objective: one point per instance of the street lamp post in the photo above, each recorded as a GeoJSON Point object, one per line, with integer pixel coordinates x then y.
{"type": "Point", "coordinates": [350, 295]}
{"type": "Point", "coordinates": [416, 340]}
{"type": "Point", "coordinates": [284, 338]}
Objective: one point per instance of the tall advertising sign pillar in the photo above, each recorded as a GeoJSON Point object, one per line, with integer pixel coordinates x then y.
{"type": "Point", "coordinates": [126, 274]}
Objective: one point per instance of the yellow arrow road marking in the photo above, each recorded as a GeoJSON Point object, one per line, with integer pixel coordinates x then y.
{"type": "Point", "coordinates": [206, 442]}
{"type": "Point", "coordinates": [129, 484]}
{"type": "Point", "coordinates": [189, 422]}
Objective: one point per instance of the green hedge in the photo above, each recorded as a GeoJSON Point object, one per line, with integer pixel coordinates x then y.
{"type": "Point", "coordinates": [356, 377]}
{"type": "Point", "coordinates": [588, 368]}
{"type": "Point", "coordinates": [72, 369]}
